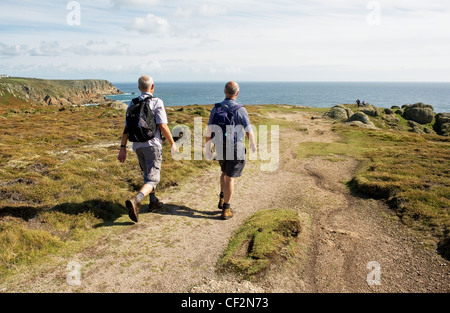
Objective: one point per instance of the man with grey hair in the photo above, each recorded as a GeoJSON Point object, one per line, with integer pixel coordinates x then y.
{"type": "Point", "coordinates": [230, 144]}
{"type": "Point", "coordinates": [149, 152]}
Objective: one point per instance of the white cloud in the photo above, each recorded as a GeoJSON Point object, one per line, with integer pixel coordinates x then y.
{"type": "Point", "coordinates": [151, 67]}
{"type": "Point", "coordinates": [13, 50]}
{"type": "Point", "coordinates": [89, 48]}
{"type": "Point", "coordinates": [149, 25]}
{"type": "Point", "coordinates": [204, 10]}
{"type": "Point", "coordinates": [185, 13]}
{"type": "Point", "coordinates": [46, 48]}
{"type": "Point", "coordinates": [209, 10]}
{"type": "Point", "coordinates": [283, 39]}
{"type": "Point", "coordinates": [233, 70]}
{"type": "Point", "coordinates": [127, 3]}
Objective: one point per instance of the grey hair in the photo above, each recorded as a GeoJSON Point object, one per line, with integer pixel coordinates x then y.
{"type": "Point", "coordinates": [231, 88]}
{"type": "Point", "coordinates": [145, 82]}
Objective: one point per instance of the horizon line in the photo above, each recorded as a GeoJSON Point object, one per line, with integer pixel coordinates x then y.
{"type": "Point", "coordinates": [283, 81]}
{"type": "Point", "coordinates": [241, 81]}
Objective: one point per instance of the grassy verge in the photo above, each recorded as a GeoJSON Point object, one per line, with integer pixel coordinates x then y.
{"type": "Point", "coordinates": [408, 170]}
{"type": "Point", "coordinates": [60, 178]}
{"type": "Point", "coordinates": [268, 237]}
{"type": "Point", "coordinates": [411, 172]}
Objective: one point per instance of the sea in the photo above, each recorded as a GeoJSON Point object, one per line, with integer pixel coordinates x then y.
{"type": "Point", "coordinates": [311, 94]}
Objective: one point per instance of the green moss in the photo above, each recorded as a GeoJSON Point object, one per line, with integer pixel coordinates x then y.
{"type": "Point", "coordinates": [263, 238]}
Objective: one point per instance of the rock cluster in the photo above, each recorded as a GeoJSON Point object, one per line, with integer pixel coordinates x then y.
{"type": "Point", "coordinates": [419, 113]}
{"type": "Point", "coordinates": [339, 112]}
{"type": "Point", "coordinates": [344, 114]}
{"type": "Point", "coordinates": [118, 105]}
{"type": "Point", "coordinates": [360, 119]}
{"type": "Point", "coordinates": [419, 118]}
{"type": "Point", "coordinates": [442, 125]}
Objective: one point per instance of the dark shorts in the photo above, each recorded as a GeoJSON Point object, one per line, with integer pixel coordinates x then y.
{"type": "Point", "coordinates": [232, 168]}
{"type": "Point", "coordinates": [235, 166]}
{"type": "Point", "coordinates": [150, 159]}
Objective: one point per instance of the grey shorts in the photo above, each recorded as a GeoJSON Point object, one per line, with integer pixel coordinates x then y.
{"type": "Point", "coordinates": [150, 159]}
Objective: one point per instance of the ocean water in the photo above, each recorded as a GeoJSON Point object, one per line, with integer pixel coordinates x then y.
{"type": "Point", "coordinates": [313, 94]}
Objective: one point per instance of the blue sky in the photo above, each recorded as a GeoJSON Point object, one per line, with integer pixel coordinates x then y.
{"type": "Point", "coordinates": [244, 40]}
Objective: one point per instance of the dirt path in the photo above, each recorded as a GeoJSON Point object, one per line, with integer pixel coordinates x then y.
{"type": "Point", "coordinates": [176, 248]}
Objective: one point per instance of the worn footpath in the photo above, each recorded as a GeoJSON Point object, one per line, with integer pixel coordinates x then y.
{"type": "Point", "coordinates": [349, 244]}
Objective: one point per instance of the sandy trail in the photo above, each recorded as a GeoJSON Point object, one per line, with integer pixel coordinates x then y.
{"type": "Point", "coordinates": [176, 248]}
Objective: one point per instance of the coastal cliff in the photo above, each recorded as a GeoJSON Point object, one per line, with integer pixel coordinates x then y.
{"type": "Point", "coordinates": [55, 92]}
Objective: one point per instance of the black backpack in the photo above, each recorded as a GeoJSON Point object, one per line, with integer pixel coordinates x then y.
{"type": "Point", "coordinates": [140, 121]}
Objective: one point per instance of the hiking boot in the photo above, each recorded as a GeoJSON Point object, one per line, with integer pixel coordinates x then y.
{"type": "Point", "coordinates": [153, 206]}
{"type": "Point", "coordinates": [133, 206]}
{"type": "Point", "coordinates": [227, 213]}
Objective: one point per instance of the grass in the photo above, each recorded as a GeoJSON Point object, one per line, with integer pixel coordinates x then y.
{"type": "Point", "coordinates": [410, 171]}
{"type": "Point", "coordinates": [60, 177]}
{"type": "Point", "coordinates": [23, 245]}
{"type": "Point", "coordinates": [264, 239]}
{"type": "Point", "coordinates": [413, 175]}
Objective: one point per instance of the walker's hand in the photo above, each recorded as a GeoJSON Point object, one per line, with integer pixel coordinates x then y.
{"type": "Point", "coordinates": [209, 155]}
{"type": "Point", "coordinates": [253, 147]}
{"type": "Point", "coordinates": [122, 155]}
{"type": "Point", "coordinates": [174, 149]}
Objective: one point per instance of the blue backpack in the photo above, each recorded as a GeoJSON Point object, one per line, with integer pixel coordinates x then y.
{"type": "Point", "coordinates": [223, 117]}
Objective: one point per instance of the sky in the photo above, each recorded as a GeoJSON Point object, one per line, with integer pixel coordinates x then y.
{"type": "Point", "coordinates": [242, 40]}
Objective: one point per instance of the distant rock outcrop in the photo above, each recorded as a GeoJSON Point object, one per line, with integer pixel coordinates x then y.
{"type": "Point", "coordinates": [117, 105]}
{"type": "Point", "coordinates": [58, 92]}
{"type": "Point", "coordinates": [339, 112]}
{"type": "Point", "coordinates": [417, 118]}
{"type": "Point", "coordinates": [442, 125]}
{"type": "Point", "coordinates": [371, 111]}
{"type": "Point", "coordinates": [360, 119]}
{"type": "Point", "coordinates": [419, 112]}
{"type": "Point", "coordinates": [391, 120]}
{"type": "Point", "coordinates": [418, 128]}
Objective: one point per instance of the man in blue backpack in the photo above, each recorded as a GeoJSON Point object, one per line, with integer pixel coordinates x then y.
{"type": "Point", "coordinates": [228, 125]}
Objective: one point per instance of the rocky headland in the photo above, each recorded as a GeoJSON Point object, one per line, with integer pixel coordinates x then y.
{"type": "Point", "coordinates": [56, 92]}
